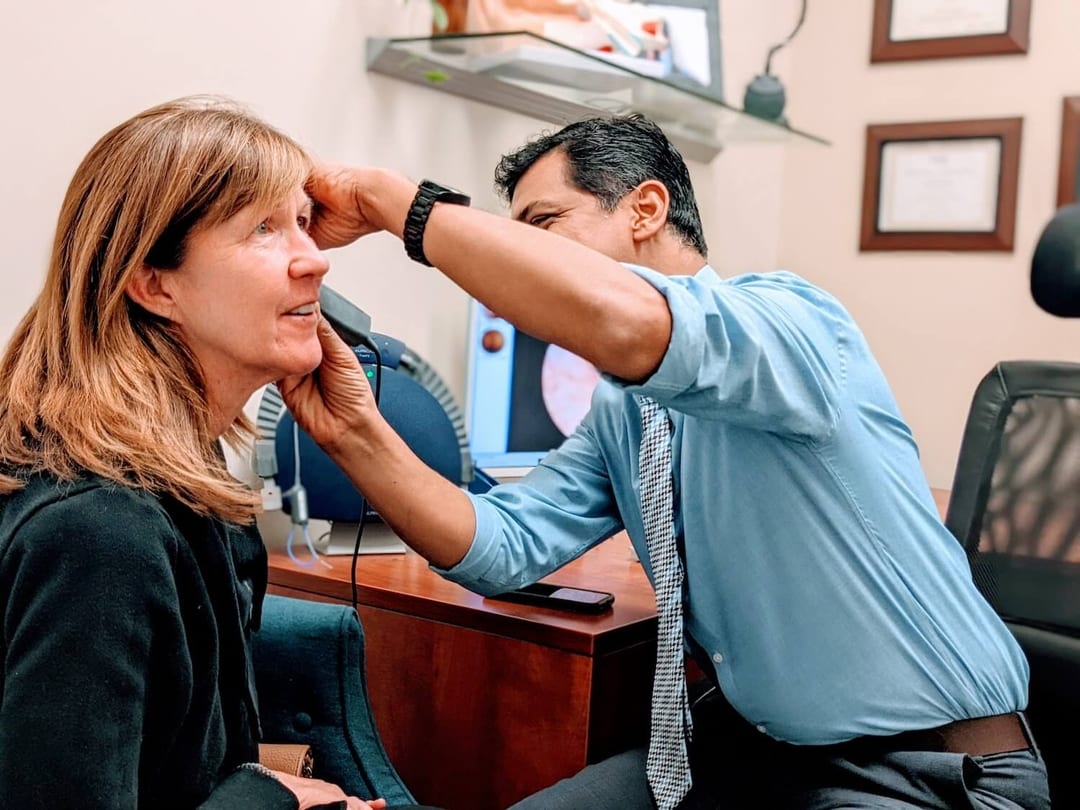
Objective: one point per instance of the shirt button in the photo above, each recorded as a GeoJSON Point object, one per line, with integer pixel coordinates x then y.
{"type": "Point", "coordinates": [717, 658]}
{"type": "Point", "coordinates": [760, 728]}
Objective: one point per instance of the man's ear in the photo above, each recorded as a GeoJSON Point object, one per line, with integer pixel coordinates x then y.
{"type": "Point", "coordinates": [650, 201]}
{"type": "Point", "coordinates": [145, 288]}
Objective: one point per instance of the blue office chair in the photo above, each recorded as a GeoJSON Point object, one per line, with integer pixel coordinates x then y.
{"type": "Point", "coordinates": [309, 675]}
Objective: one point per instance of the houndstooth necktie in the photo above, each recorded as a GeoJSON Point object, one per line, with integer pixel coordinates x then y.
{"type": "Point", "coordinates": [668, 766]}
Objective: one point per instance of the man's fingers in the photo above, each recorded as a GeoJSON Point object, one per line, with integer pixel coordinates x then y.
{"type": "Point", "coordinates": [286, 385]}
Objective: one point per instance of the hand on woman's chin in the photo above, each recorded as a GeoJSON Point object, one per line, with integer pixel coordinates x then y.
{"type": "Point", "coordinates": [303, 363]}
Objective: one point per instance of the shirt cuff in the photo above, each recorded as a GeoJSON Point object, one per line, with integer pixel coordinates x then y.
{"type": "Point", "coordinates": [480, 557]}
{"type": "Point", "coordinates": [686, 349]}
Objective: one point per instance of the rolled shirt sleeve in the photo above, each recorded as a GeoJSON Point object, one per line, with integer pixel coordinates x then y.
{"type": "Point", "coordinates": [526, 530]}
{"type": "Point", "coordinates": [764, 353]}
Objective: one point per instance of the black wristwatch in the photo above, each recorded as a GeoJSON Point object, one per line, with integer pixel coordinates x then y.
{"type": "Point", "coordinates": [427, 195]}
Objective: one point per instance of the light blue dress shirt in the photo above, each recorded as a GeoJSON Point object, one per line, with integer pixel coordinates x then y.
{"type": "Point", "coordinates": [820, 579]}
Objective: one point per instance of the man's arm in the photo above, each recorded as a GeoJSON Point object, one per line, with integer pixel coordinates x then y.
{"type": "Point", "coordinates": [335, 406]}
{"type": "Point", "coordinates": [573, 509]}
{"type": "Point", "coordinates": [548, 286]}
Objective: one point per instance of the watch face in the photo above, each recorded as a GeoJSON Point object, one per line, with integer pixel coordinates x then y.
{"type": "Point", "coordinates": [443, 193]}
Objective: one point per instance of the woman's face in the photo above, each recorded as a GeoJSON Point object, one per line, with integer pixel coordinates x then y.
{"type": "Point", "coordinates": [246, 297]}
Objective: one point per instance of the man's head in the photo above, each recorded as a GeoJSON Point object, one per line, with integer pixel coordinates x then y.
{"type": "Point", "coordinates": [606, 159]}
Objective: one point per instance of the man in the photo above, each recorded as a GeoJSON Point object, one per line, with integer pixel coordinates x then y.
{"type": "Point", "coordinates": [747, 441]}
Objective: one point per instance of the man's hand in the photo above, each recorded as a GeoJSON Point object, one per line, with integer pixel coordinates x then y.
{"type": "Point", "coordinates": [353, 202]}
{"type": "Point", "coordinates": [334, 399]}
{"type": "Point", "coordinates": [312, 793]}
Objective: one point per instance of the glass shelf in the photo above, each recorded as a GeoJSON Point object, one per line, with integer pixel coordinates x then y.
{"type": "Point", "coordinates": [529, 74]}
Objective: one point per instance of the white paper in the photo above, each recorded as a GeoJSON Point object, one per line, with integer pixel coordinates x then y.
{"type": "Point", "coordinates": [938, 19]}
{"type": "Point", "coordinates": [946, 185]}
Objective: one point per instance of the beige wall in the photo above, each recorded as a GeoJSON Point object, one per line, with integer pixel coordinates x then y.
{"type": "Point", "coordinates": [72, 70]}
{"type": "Point", "coordinates": [937, 321]}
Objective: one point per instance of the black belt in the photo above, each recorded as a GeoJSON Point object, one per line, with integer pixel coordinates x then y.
{"type": "Point", "coordinates": [981, 736]}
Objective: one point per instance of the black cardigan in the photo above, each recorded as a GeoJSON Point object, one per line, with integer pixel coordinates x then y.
{"type": "Point", "coordinates": [126, 679]}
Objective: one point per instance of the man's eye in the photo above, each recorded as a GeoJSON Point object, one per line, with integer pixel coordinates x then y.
{"type": "Point", "coordinates": [304, 222]}
{"type": "Point", "coordinates": [262, 228]}
{"type": "Point", "coordinates": [540, 220]}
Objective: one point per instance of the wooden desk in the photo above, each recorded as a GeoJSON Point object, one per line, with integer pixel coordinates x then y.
{"type": "Point", "coordinates": [481, 702]}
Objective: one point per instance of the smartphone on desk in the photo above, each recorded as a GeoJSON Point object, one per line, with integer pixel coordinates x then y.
{"type": "Point", "coordinates": [543, 594]}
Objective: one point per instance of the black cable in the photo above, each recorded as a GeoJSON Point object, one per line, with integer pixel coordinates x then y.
{"type": "Point", "coordinates": [369, 343]}
{"type": "Point", "coordinates": [791, 36]}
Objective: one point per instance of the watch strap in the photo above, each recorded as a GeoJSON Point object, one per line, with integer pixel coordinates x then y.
{"type": "Point", "coordinates": [427, 194]}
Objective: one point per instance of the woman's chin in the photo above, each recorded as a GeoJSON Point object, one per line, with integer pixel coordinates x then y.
{"type": "Point", "coordinates": [309, 362]}
{"type": "Point", "coordinates": [296, 362]}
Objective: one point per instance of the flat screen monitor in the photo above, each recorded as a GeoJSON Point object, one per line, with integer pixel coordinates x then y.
{"type": "Point", "coordinates": [523, 397]}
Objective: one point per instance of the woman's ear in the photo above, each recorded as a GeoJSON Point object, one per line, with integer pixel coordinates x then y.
{"type": "Point", "coordinates": [145, 289]}
{"type": "Point", "coordinates": [651, 201]}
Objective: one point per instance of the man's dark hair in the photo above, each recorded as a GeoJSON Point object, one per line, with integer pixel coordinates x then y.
{"type": "Point", "coordinates": [610, 156]}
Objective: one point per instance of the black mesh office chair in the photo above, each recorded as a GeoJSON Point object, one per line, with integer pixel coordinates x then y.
{"type": "Point", "coordinates": [1015, 506]}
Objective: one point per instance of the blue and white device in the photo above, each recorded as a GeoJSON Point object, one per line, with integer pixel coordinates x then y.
{"type": "Point", "coordinates": [523, 396]}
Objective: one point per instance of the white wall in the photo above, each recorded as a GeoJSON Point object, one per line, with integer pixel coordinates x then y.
{"type": "Point", "coordinates": [70, 71]}
{"type": "Point", "coordinates": [937, 321]}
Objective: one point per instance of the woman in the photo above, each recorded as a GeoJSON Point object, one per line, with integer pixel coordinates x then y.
{"type": "Point", "coordinates": [182, 279]}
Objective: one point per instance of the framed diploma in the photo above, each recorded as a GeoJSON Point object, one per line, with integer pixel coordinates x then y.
{"type": "Point", "coordinates": [947, 185]}
{"type": "Point", "coordinates": [1068, 164]}
{"type": "Point", "coordinates": [938, 29]}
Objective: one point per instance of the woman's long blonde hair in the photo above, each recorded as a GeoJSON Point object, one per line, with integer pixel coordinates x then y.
{"type": "Point", "coordinates": [91, 382]}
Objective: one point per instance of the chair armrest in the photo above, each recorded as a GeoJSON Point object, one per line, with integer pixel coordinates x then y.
{"type": "Point", "coordinates": [310, 677]}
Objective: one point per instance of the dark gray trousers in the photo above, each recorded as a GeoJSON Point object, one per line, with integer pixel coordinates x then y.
{"type": "Point", "coordinates": [736, 767]}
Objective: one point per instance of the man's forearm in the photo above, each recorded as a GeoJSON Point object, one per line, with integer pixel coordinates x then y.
{"type": "Point", "coordinates": [432, 515]}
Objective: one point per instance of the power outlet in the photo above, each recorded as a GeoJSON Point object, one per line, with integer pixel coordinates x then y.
{"type": "Point", "coordinates": [271, 495]}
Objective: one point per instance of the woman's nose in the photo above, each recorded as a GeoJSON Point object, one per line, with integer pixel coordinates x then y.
{"type": "Point", "coordinates": [308, 259]}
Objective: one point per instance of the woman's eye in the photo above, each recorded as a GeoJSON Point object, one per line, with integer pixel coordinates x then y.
{"type": "Point", "coordinates": [262, 228]}
{"type": "Point", "coordinates": [304, 222]}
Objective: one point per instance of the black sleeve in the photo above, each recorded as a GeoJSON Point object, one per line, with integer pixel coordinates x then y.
{"type": "Point", "coordinates": [89, 581]}
{"type": "Point", "coordinates": [248, 790]}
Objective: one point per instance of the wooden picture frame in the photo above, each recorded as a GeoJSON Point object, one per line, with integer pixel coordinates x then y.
{"type": "Point", "coordinates": [944, 185]}
{"type": "Point", "coordinates": [921, 41]}
{"type": "Point", "coordinates": [1070, 151]}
